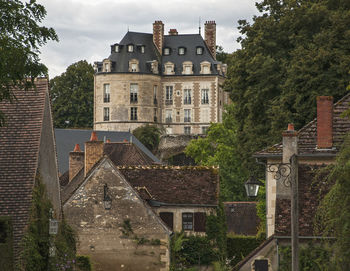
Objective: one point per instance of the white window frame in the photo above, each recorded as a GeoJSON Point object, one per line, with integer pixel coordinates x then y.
{"type": "Point", "coordinates": [187, 96]}
{"type": "Point", "coordinates": [205, 96]}
{"type": "Point", "coordinates": [130, 48]}
{"type": "Point", "coordinates": [182, 50]}
{"type": "Point", "coordinates": [106, 116]}
{"type": "Point", "coordinates": [133, 113]}
{"type": "Point", "coordinates": [106, 93]}
{"type": "Point", "coordinates": [169, 94]}
{"type": "Point", "coordinates": [134, 89]}
{"type": "Point", "coordinates": [168, 115]}
{"type": "Point", "coordinates": [187, 115]}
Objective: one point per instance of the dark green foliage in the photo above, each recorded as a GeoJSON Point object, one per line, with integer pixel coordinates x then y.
{"type": "Point", "coordinates": [83, 263]}
{"type": "Point", "coordinates": [221, 55]}
{"type": "Point", "coordinates": [21, 36]}
{"type": "Point", "coordinates": [149, 135]}
{"type": "Point", "coordinates": [126, 228]}
{"type": "Point", "coordinates": [261, 211]}
{"type": "Point", "coordinates": [6, 243]}
{"type": "Point", "coordinates": [333, 215]}
{"type": "Point", "coordinates": [239, 246]}
{"type": "Point", "coordinates": [294, 51]}
{"type": "Point", "coordinates": [313, 257]}
{"type": "Point", "coordinates": [72, 96]}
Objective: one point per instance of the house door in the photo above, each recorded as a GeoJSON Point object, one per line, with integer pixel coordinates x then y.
{"type": "Point", "coordinates": [261, 265]}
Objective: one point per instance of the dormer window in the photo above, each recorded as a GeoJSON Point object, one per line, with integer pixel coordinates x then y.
{"type": "Point", "coordinates": [166, 51]}
{"type": "Point", "coordinates": [133, 65]}
{"type": "Point", "coordinates": [205, 67]}
{"type": "Point", "coordinates": [169, 68]}
{"type": "Point", "coordinates": [116, 48]}
{"type": "Point", "coordinates": [142, 49]}
{"type": "Point", "coordinates": [106, 65]}
{"type": "Point", "coordinates": [181, 50]}
{"type": "Point", "coordinates": [130, 48]}
{"type": "Point", "coordinates": [187, 67]}
{"type": "Point", "coordinates": [199, 50]}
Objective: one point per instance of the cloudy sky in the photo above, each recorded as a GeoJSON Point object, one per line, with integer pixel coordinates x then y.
{"type": "Point", "coordinates": [87, 28]}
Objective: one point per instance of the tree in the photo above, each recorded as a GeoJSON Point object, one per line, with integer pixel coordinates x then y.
{"type": "Point", "coordinates": [221, 55]}
{"type": "Point", "coordinates": [72, 96]}
{"type": "Point", "coordinates": [149, 135]}
{"type": "Point", "coordinates": [21, 36]}
{"type": "Point", "coordinates": [294, 51]}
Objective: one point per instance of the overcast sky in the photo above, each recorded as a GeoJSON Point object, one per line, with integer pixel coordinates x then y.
{"type": "Point", "coordinates": [87, 28]}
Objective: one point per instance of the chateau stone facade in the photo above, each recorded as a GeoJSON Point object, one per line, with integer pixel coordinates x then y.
{"type": "Point", "coordinates": [173, 81]}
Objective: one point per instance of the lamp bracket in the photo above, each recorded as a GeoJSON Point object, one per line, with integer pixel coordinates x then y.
{"type": "Point", "coordinates": [281, 172]}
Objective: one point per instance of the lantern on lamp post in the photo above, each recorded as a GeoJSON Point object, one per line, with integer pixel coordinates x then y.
{"type": "Point", "coordinates": [252, 186]}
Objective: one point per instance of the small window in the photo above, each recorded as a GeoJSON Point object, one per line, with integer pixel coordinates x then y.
{"type": "Point", "coordinates": [106, 113]}
{"type": "Point", "coordinates": [134, 88]}
{"type": "Point", "coordinates": [187, 115]}
{"type": "Point", "coordinates": [133, 113]}
{"type": "Point", "coordinates": [130, 48]}
{"type": "Point", "coordinates": [181, 51]}
{"type": "Point", "coordinates": [106, 93]}
{"type": "Point", "coordinates": [155, 90]}
{"type": "Point", "coordinates": [168, 116]}
{"type": "Point", "coordinates": [187, 96]}
{"type": "Point", "coordinates": [169, 95]}
{"type": "Point", "coordinates": [187, 221]}
{"type": "Point", "coordinates": [199, 50]}
{"type": "Point", "coordinates": [166, 51]}
{"type": "Point", "coordinates": [133, 67]}
{"type": "Point", "coordinates": [106, 66]}
{"type": "Point", "coordinates": [187, 130]}
{"type": "Point", "coordinates": [142, 49]}
{"type": "Point", "coordinates": [205, 96]}
{"type": "Point", "coordinates": [116, 48]}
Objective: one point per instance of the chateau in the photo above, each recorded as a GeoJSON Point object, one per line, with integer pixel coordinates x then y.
{"type": "Point", "coordinates": [173, 81]}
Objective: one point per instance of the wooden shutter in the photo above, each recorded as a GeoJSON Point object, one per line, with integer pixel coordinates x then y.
{"type": "Point", "coordinates": [199, 222]}
{"type": "Point", "coordinates": [168, 219]}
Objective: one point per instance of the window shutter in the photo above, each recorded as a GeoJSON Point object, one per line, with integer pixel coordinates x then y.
{"type": "Point", "coordinates": [199, 222]}
{"type": "Point", "coordinates": [168, 219]}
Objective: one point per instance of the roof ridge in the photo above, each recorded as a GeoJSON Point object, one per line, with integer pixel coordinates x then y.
{"type": "Point", "coordinates": [168, 167]}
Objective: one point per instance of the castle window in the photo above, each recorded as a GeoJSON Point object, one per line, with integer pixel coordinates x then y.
{"type": "Point", "coordinates": [187, 219]}
{"type": "Point", "coordinates": [187, 67]}
{"type": "Point", "coordinates": [155, 89]}
{"type": "Point", "coordinates": [169, 95]}
{"type": "Point", "coordinates": [134, 89]}
{"type": "Point", "coordinates": [106, 67]}
{"type": "Point", "coordinates": [133, 113]}
{"type": "Point", "coordinates": [168, 116]}
{"type": "Point", "coordinates": [187, 96]}
{"type": "Point", "coordinates": [133, 65]}
{"type": "Point", "coordinates": [187, 115]}
{"type": "Point", "coordinates": [205, 96]}
{"type": "Point", "coordinates": [106, 93]}
{"type": "Point", "coordinates": [166, 51]}
{"type": "Point", "coordinates": [106, 113]}
{"type": "Point", "coordinates": [199, 50]}
{"type": "Point", "coordinates": [169, 68]}
{"type": "Point", "coordinates": [205, 67]}
{"type": "Point", "coordinates": [130, 48]}
{"type": "Point", "coordinates": [181, 51]}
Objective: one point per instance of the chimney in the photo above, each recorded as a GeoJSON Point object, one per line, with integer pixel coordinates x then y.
{"type": "Point", "coordinates": [93, 152]}
{"type": "Point", "coordinates": [76, 161]}
{"type": "Point", "coordinates": [324, 122]}
{"type": "Point", "coordinates": [158, 35]}
{"type": "Point", "coordinates": [173, 32]}
{"type": "Point", "coordinates": [210, 36]}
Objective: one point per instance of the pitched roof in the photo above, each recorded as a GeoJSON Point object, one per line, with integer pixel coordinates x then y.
{"type": "Point", "coordinates": [176, 185]}
{"type": "Point", "coordinates": [307, 144]}
{"type": "Point", "coordinates": [311, 192]}
{"type": "Point", "coordinates": [19, 151]}
{"type": "Point", "coordinates": [67, 138]}
{"type": "Point", "coordinates": [241, 217]}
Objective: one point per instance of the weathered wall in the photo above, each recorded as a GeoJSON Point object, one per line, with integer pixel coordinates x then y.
{"type": "Point", "coordinates": [99, 230]}
{"type": "Point", "coordinates": [171, 145]}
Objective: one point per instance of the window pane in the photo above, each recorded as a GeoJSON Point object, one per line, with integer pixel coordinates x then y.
{"type": "Point", "coordinates": [133, 92]}
{"type": "Point", "coordinates": [187, 221]}
{"type": "Point", "coordinates": [106, 113]}
{"type": "Point", "coordinates": [106, 93]}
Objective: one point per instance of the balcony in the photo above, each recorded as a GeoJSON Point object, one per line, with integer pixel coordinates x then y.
{"type": "Point", "coordinates": [168, 102]}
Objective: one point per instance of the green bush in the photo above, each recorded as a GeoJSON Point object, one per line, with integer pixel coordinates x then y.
{"type": "Point", "coordinates": [238, 247]}
{"type": "Point", "coordinates": [83, 263]}
{"type": "Point", "coordinates": [6, 243]}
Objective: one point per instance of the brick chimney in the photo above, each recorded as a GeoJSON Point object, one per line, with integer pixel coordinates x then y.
{"type": "Point", "coordinates": [158, 35]}
{"type": "Point", "coordinates": [210, 36]}
{"type": "Point", "coordinates": [93, 152]}
{"type": "Point", "coordinates": [76, 161]}
{"type": "Point", "coordinates": [324, 122]}
{"type": "Point", "coordinates": [173, 32]}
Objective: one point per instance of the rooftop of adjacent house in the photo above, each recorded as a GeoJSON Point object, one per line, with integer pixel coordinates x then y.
{"type": "Point", "coordinates": [307, 144]}
{"type": "Point", "coordinates": [241, 217]}
{"type": "Point", "coordinates": [66, 139]}
{"type": "Point", "coordinates": [19, 151]}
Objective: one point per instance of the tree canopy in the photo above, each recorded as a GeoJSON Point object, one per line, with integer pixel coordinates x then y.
{"type": "Point", "coordinates": [21, 36]}
{"type": "Point", "coordinates": [72, 96]}
{"type": "Point", "coordinates": [149, 135]}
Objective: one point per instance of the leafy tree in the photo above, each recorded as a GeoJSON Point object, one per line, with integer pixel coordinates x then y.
{"type": "Point", "coordinates": [149, 135]}
{"type": "Point", "coordinates": [294, 51]}
{"type": "Point", "coordinates": [72, 96]}
{"type": "Point", "coordinates": [221, 55]}
{"type": "Point", "coordinates": [21, 36]}
{"type": "Point", "coordinates": [219, 148]}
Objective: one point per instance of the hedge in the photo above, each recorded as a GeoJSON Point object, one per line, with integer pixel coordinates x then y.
{"type": "Point", "coordinates": [239, 246]}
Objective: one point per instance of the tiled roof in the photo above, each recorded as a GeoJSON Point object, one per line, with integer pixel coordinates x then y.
{"type": "Point", "coordinates": [311, 191]}
{"type": "Point", "coordinates": [73, 185]}
{"type": "Point", "coordinates": [176, 185]}
{"type": "Point", "coordinates": [308, 134]}
{"type": "Point", "coordinates": [19, 150]}
{"type": "Point", "coordinates": [241, 217]}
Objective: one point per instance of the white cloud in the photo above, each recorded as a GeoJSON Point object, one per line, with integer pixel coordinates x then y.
{"type": "Point", "coordinates": [86, 28]}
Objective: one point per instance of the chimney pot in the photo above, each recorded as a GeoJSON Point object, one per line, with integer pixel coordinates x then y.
{"type": "Point", "coordinates": [77, 148]}
{"type": "Point", "coordinates": [324, 122]}
{"type": "Point", "coordinates": [93, 136]}
{"type": "Point", "coordinates": [108, 141]}
{"type": "Point", "coordinates": [290, 127]}
{"type": "Point", "coordinates": [173, 32]}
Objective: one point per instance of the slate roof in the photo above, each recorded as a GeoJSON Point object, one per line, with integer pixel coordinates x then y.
{"type": "Point", "coordinates": [241, 217]}
{"type": "Point", "coordinates": [67, 138]}
{"type": "Point", "coordinates": [176, 185]}
{"type": "Point", "coordinates": [19, 151]}
{"type": "Point", "coordinates": [120, 60]}
{"type": "Point", "coordinates": [308, 135]}
{"type": "Point", "coordinates": [311, 192]}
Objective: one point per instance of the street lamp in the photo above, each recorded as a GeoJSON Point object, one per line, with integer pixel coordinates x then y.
{"type": "Point", "coordinates": [252, 186]}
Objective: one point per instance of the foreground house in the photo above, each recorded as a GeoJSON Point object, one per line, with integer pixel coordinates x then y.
{"type": "Point", "coordinates": [124, 213]}
{"type": "Point", "coordinates": [27, 151]}
{"type": "Point", "coordinates": [317, 145]}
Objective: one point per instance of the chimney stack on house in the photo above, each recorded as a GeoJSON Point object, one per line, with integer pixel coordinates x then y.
{"type": "Point", "coordinates": [76, 161]}
{"type": "Point", "coordinates": [158, 35]}
{"type": "Point", "coordinates": [173, 32]}
{"type": "Point", "coordinates": [324, 122]}
{"type": "Point", "coordinates": [210, 36]}
{"type": "Point", "coordinates": [93, 152]}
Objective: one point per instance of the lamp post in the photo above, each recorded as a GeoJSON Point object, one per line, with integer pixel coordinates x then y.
{"type": "Point", "coordinates": [287, 173]}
